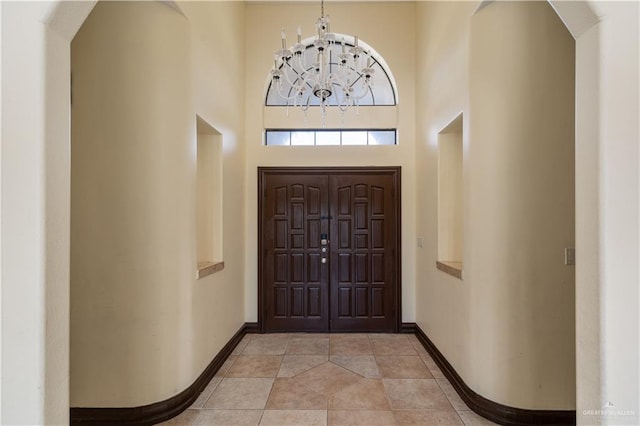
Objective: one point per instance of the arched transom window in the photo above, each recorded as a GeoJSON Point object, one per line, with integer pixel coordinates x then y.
{"type": "Point", "coordinates": [285, 90]}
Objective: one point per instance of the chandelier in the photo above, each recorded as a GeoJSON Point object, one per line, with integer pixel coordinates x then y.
{"type": "Point", "coordinates": [333, 73]}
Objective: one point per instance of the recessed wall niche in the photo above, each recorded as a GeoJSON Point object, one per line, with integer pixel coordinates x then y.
{"type": "Point", "coordinates": [450, 198]}
{"type": "Point", "coordinates": [208, 199]}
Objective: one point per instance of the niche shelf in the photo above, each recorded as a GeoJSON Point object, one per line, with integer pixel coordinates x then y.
{"type": "Point", "coordinates": [208, 200]}
{"type": "Point", "coordinates": [450, 199]}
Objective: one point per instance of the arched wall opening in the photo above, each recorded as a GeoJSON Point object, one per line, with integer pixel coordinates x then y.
{"type": "Point", "coordinates": [607, 131]}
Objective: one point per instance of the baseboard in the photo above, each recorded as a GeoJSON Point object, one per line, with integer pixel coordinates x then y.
{"type": "Point", "coordinates": [251, 327]}
{"type": "Point", "coordinates": [408, 328]}
{"type": "Point", "coordinates": [163, 410]}
{"type": "Point", "coordinates": [498, 413]}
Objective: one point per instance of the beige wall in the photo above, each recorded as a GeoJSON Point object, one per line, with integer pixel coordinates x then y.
{"type": "Point", "coordinates": [264, 23]}
{"type": "Point", "coordinates": [133, 203]}
{"type": "Point", "coordinates": [217, 42]}
{"type": "Point", "coordinates": [521, 202]}
{"type": "Point", "coordinates": [443, 301]}
{"type": "Point", "coordinates": [509, 331]}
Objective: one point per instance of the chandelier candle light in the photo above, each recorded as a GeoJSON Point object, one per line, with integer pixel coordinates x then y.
{"type": "Point", "coordinates": [331, 73]}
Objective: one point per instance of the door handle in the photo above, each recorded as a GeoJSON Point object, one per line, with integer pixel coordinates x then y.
{"type": "Point", "coordinates": [323, 260]}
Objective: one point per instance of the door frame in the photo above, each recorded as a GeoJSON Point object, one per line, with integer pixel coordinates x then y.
{"type": "Point", "coordinates": [395, 171]}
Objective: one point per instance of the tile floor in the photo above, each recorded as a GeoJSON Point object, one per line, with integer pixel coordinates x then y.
{"type": "Point", "coordinates": [329, 379]}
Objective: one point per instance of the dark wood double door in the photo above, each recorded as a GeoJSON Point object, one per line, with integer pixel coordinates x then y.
{"type": "Point", "coordinates": [329, 249]}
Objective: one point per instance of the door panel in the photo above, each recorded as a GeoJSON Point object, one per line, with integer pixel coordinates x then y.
{"type": "Point", "coordinates": [349, 281]}
{"type": "Point", "coordinates": [295, 279]}
{"type": "Point", "coordinates": [364, 275]}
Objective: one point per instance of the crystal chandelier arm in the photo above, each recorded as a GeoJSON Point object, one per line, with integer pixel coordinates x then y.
{"type": "Point", "coordinates": [286, 97]}
{"type": "Point", "coordinates": [365, 92]}
{"type": "Point", "coordinates": [294, 62]}
{"type": "Point", "coordinates": [299, 62]}
{"type": "Point", "coordinates": [286, 66]}
{"type": "Point", "coordinates": [295, 94]}
{"type": "Point", "coordinates": [301, 75]}
{"type": "Point", "coordinates": [365, 85]}
{"type": "Point", "coordinates": [304, 106]}
{"type": "Point", "coordinates": [365, 73]}
{"type": "Point", "coordinates": [277, 74]}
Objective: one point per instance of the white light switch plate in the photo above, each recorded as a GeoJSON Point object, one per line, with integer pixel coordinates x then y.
{"type": "Point", "coordinates": [570, 256]}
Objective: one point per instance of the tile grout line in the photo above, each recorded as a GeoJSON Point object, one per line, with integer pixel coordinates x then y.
{"type": "Point", "coordinates": [224, 375]}
{"type": "Point", "coordinates": [273, 383]}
